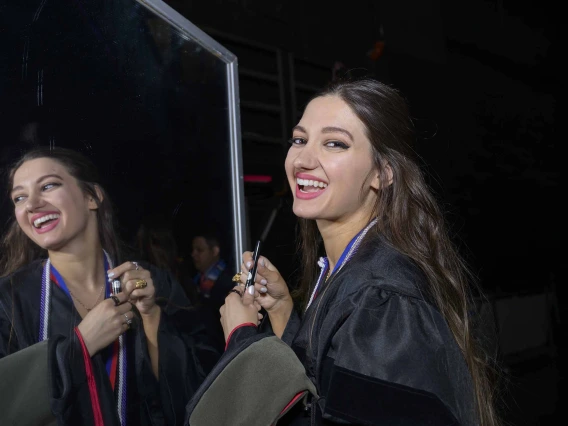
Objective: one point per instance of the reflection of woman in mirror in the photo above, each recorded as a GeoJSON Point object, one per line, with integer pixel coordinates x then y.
{"type": "Point", "coordinates": [110, 345]}
{"type": "Point", "coordinates": [384, 332]}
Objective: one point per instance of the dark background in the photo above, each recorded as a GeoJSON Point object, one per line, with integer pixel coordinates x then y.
{"type": "Point", "coordinates": [482, 83]}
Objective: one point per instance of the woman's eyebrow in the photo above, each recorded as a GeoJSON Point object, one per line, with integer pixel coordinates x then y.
{"type": "Point", "coordinates": [328, 129]}
{"type": "Point", "coordinates": [17, 188]}
{"type": "Point", "coordinates": [332, 129]}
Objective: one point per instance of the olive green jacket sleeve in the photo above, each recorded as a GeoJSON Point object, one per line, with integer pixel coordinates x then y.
{"type": "Point", "coordinates": [254, 385]}
{"type": "Point", "coordinates": [24, 388]}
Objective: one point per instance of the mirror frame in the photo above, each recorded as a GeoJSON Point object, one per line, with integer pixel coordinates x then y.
{"type": "Point", "coordinates": [191, 32]}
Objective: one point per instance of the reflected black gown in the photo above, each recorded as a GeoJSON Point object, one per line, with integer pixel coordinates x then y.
{"type": "Point", "coordinates": [184, 356]}
{"type": "Point", "coordinates": [376, 347]}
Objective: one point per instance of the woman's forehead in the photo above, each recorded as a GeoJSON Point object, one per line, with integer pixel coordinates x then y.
{"type": "Point", "coordinates": [330, 111]}
{"type": "Point", "coordinates": [33, 169]}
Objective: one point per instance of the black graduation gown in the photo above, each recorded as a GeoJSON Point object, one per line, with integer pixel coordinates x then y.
{"type": "Point", "coordinates": [377, 350]}
{"type": "Point", "coordinates": [184, 357]}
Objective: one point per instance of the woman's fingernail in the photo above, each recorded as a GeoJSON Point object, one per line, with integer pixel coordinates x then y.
{"type": "Point", "coordinates": [263, 281]}
{"type": "Point", "coordinates": [110, 274]}
{"type": "Point", "coordinates": [251, 290]}
{"type": "Point", "coordinates": [263, 289]}
{"type": "Point", "coordinates": [249, 264]}
{"type": "Point", "coordinates": [261, 261]}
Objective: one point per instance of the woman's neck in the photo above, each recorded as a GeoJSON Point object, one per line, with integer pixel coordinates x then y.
{"type": "Point", "coordinates": [337, 234]}
{"type": "Point", "coordinates": [80, 268]}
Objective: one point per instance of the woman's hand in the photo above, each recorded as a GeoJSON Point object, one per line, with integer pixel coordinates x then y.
{"type": "Point", "coordinates": [138, 285]}
{"type": "Point", "coordinates": [271, 291]}
{"type": "Point", "coordinates": [273, 294]}
{"type": "Point", "coordinates": [102, 326]}
{"type": "Point", "coordinates": [238, 310]}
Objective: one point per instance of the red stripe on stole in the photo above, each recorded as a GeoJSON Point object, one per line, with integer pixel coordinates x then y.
{"type": "Point", "coordinates": [95, 405]}
{"type": "Point", "coordinates": [54, 279]}
{"type": "Point", "coordinates": [114, 364]}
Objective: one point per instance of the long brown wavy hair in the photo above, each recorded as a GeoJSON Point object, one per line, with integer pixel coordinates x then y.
{"type": "Point", "coordinates": [18, 250]}
{"type": "Point", "coordinates": [411, 220]}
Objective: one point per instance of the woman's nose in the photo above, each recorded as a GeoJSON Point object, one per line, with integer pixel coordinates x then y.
{"type": "Point", "coordinates": [34, 202]}
{"type": "Point", "coordinates": [306, 158]}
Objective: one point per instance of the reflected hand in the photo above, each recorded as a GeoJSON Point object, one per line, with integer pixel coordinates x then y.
{"type": "Point", "coordinates": [102, 325]}
{"type": "Point", "coordinates": [137, 283]}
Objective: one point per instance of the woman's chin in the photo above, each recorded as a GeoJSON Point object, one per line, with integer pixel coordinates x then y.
{"type": "Point", "coordinates": [305, 213]}
{"type": "Point", "coordinates": [50, 244]}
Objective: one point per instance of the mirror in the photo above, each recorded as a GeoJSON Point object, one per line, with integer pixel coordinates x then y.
{"type": "Point", "coordinates": [144, 93]}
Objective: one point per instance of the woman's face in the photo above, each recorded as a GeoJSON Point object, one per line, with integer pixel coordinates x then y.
{"type": "Point", "coordinates": [49, 205]}
{"type": "Point", "coordinates": [330, 160]}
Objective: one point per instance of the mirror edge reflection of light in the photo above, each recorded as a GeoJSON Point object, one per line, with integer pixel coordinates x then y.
{"type": "Point", "coordinates": [175, 19]}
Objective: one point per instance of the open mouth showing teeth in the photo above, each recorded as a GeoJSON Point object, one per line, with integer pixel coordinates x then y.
{"type": "Point", "coordinates": [45, 220]}
{"type": "Point", "coordinates": [307, 185]}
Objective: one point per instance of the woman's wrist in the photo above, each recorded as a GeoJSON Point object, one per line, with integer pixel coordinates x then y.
{"type": "Point", "coordinates": [91, 349]}
{"type": "Point", "coordinates": [152, 315]}
{"type": "Point", "coordinates": [281, 308]}
{"type": "Point", "coordinates": [279, 315]}
{"type": "Point", "coordinates": [151, 323]}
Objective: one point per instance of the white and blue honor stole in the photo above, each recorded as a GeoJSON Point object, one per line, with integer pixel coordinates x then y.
{"type": "Point", "coordinates": [348, 252]}
{"type": "Point", "coordinates": [116, 352]}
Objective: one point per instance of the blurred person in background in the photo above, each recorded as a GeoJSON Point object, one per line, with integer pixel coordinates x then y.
{"type": "Point", "coordinates": [212, 282]}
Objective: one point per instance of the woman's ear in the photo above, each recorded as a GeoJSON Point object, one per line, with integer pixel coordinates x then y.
{"type": "Point", "coordinates": [94, 203]}
{"type": "Point", "coordinates": [388, 170]}
{"type": "Point", "coordinates": [376, 181]}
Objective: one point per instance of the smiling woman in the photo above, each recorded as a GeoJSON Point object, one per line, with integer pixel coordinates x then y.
{"type": "Point", "coordinates": [331, 151]}
{"type": "Point", "coordinates": [383, 319]}
{"type": "Point", "coordinates": [60, 255]}
{"type": "Point", "coordinates": [51, 208]}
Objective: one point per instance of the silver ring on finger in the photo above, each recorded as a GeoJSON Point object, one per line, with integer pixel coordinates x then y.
{"type": "Point", "coordinates": [136, 265]}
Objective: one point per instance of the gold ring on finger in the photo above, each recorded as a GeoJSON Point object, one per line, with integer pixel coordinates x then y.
{"type": "Point", "coordinates": [237, 277]}
{"type": "Point", "coordinates": [140, 283]}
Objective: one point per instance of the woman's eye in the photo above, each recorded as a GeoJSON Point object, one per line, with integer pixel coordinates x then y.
{"type": "Point", "coordinates": [297, 141]}
{"type": "Point", "coordinates": [49, 186]}
{"type": "Point", "coordinates": [336, 144]}
{"type": "Point", "coordinates": [18, 199]}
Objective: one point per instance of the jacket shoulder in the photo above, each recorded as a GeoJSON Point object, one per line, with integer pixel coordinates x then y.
{"type": "Point", "coordinates": [379, 264]}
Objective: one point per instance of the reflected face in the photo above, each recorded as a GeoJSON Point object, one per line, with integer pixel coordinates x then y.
{"type": "Point", "coordinates": [203, 256]}
{"type": "Point", "coordinates": [49, 205]}
{"type": "Point", "coordinates": [330, 160]}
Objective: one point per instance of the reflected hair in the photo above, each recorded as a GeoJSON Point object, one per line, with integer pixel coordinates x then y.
{"type": "Point", "coordinates": [157, 245]}
{"type": "Point", "coordinates": [411, 221]}
{"type": "Point", "coordinates": [16, 247]}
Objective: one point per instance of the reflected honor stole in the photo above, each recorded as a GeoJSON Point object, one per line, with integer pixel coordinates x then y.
{"type": "Point", "coordinates": [114, 354]}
